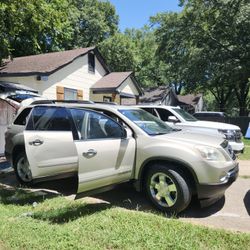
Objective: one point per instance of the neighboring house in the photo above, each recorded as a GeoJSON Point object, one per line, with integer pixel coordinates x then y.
{"type": "Point", "coordinates": [119, 87]}
{"type": "Point", "coordinates": [73, 74]}
{"type": "Point", "coordinates": [166, 96]}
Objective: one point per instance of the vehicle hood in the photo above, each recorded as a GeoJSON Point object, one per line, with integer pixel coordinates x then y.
{"type": "Point", "coordinates": [194, 138]}
{"type": "Point", "coordinates": [208, 124]}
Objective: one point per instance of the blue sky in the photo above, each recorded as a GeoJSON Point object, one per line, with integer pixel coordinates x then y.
{"type": "Point", "coordinates": [136, 13]}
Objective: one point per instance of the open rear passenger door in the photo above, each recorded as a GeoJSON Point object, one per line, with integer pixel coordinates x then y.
{"type": "Point", "coordinates": [49, 143]}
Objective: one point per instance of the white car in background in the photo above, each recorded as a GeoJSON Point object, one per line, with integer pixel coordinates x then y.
{"type": "Point", "coordinates": [180, 119]}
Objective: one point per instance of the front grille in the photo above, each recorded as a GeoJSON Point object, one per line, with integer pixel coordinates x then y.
{"type": "Point", "coordinates": [225, 145]}
{"type": "Point", "coordinates": [238, 136]}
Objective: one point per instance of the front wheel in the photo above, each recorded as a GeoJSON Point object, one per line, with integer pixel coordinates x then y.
{"type": "Point", "coordinates": [167, 189]}
{"type": "Point", "coordinates": [22, 169]}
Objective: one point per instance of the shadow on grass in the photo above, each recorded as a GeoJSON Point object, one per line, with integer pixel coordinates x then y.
{"type": "Point", "coordinates": [11, 192]}
{"type": "Point", "coordinates": [67, 186]}
{"type": "Point", "coordinates": [70, 212]}
{"type": "Point", "coordinates": [125, 196]}
{"type": "Point", "coordinates": [18, 196]}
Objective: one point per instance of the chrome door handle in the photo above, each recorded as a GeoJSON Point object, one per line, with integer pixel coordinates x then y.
{"type": "Point", "coordinates": [36, 142]}
{"type": "Point", "coordinates": [89, 153]}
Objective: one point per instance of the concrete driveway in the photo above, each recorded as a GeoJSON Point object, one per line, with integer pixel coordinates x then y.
{"type": "Point", "coordinates": [231, 212]}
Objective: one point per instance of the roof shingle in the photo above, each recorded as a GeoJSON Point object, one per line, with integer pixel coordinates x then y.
{"type": "Point", "coordinates": [112, 80]}
{"type": "Point", "coordinates": [43, 63]}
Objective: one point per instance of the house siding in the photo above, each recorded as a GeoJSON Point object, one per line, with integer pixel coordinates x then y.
{"type": "Point", "coordinates": [99, 97]}
{"type": "Point", "coordinates": [74, 76]}
{"type": "Point", "coordinates": [128, 87]}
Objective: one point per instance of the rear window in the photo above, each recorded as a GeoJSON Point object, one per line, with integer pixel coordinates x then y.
{"type": "Point", "coordinates": [20, 97]}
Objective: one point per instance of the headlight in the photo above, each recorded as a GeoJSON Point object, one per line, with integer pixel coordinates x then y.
{"type": "Point", "coordinates": [210, 153]}
{"type": "Point", "coordinates": [230, 134]}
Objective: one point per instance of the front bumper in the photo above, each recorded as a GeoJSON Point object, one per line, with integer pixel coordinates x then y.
{"type": "Point", "coordinates": [210, 193]}
{"type": "Point", "coordinates": [238, 147]}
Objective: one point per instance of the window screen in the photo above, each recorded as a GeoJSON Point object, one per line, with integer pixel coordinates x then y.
{"type": "Point", "coordinates": [70, 94]}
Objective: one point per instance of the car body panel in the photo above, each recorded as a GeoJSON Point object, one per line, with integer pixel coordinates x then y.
{"type": "Point", "coordinates": [104, 162]}
{"type": "Point", "coordinates": [207, 127]}
{"type": "Point", "coordinates": [177, 148]}
{"type": "Point", "coordinates": [56, 155]}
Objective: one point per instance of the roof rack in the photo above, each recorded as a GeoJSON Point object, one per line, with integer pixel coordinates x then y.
{"type": "Point", "coordinates": [108, 103]}
{"type": "Point", "coordinates": [61, 101]}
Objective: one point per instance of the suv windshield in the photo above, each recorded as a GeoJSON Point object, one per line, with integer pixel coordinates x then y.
{"type": "Point", "coordinates": [185, 115]}
{"type": "Point", "coordinates": [147, 122]}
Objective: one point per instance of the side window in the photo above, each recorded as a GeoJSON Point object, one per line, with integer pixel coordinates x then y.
{"type": "Point", "coordinates": [79, 118]}
{"type": "Point", "coordinates": [49, 119]}
{"type": "Point", "coordinates": [22, 117]}
{"type": "Point", "coordinates": [164, 114]}
{"type": "Point", "coordinates": [100, 126]}
{"type": "Point", "coordinates": [91, 62]}
{"type": "Point", "coordinates": [151, 111]}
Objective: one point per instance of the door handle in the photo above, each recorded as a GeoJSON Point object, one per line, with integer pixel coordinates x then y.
{"type": "Point", "coordinates": [36, 142]}
{"type": "Point", "coordinates": [89, 153]}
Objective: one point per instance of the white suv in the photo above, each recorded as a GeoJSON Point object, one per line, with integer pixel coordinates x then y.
{"type": "Point", "coordinates": [106, 144]}
{"type": "Point", "coordinates": [178, 118]}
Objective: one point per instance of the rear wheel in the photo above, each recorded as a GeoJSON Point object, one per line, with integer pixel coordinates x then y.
{"type": "Point", "coordinates": [167, 188]}
{"type": "Point", "coordinates": [22, 169]}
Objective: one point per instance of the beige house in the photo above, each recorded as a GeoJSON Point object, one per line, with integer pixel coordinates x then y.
{"type": "Point", "coordinates": [75, 74]}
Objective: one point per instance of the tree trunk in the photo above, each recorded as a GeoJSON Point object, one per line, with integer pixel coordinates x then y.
{"type": "Point", "coordinates": [242, 97]}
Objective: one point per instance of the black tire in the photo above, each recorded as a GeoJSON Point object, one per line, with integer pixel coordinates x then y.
{"type": "Point", "coordinates": [171, 194]}
{"type": "Point", "coordinates": [20, 159]}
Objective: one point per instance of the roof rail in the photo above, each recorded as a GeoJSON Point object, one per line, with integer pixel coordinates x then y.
{"type": "Point", "coordinates": [108, 103]}
{"type": "Point", "coordinates": [61, 101]}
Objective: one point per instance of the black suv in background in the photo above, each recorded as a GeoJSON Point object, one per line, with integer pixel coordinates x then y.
{"type": "Point", "coordinates": [211, 116]}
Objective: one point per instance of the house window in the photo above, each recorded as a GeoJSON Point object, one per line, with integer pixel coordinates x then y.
{"type": "Point", "coordinates": [70, 94]}
{"type": "Point", "coordinates": [107, 99]}
{"type": "Point", "coordinates": [91, 62]}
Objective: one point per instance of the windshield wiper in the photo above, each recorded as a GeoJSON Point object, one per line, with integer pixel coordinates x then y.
{"type": "Point", "coordinates": [160, 133]}
{"type": "Point", "coordinates": [177, 129]}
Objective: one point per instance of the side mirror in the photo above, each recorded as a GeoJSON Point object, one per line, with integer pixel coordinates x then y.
{"type": "Point", "coordinates": [172, 119]}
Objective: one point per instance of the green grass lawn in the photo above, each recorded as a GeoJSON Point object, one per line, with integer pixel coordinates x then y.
{"type": "Point", "coordinates": [246, 142]}
{"type": "Point", "coordinates": [246, 154]}
{"type": "Point", "coordinates": [57, 223]}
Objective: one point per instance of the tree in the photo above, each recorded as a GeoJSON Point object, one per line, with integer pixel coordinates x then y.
{"type": "Point", "coordinates": [135, 50]}
{"type": "Point", "coordinates": [4, 45]}
{"type": "Point", "coordinates": [93, 21]}
{"type": "Point", "coordinates": [34, 26]}
{"type": "Point", "coordinates": [149, 70]}
{"type": "Point", "coordinates": [120, 53]}
{"type": "Point", "coordinates": [31, 27]}
{"type": "Point", "coordinates": [207, 48]}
